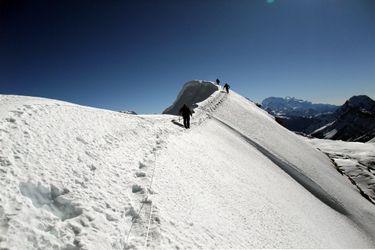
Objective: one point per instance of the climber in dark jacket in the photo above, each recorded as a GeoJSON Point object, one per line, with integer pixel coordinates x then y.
{"type": "Point", "coordinates": [217, 81]}
{"type": "Point", "coordinates": [226, 87]}
{"type": "Point", "coordinates": [186, 113]}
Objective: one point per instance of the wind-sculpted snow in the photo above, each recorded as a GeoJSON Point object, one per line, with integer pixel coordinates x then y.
{"type": "Point", "coordinates": [192, 93]}
{"type": "Point", "coordinates": [76, 177]}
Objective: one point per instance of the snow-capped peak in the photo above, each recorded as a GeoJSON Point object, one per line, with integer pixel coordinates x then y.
{"type": "Point", "coordinates": [192, 93]}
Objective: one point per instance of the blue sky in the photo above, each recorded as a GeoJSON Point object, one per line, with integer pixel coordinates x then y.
{"type": "Point", "coordinates": [137, 54]}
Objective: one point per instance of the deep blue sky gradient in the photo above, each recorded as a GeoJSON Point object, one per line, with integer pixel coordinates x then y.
{"type": "Point", "coordinates": [137, 54]}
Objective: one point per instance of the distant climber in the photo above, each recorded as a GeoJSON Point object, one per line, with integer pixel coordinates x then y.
{"type": "Point", "coordinates": [217, 81]}
{"type": "Point", "coordinates": [186, 113]}
{"type": "Point", "coordinates": [226, 87]}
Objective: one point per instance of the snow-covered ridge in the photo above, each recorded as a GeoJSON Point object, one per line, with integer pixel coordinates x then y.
{"type": "Point", "coordinates": [79, 177]}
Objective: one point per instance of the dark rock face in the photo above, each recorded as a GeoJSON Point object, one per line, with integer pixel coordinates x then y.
{"type": "Point", "coordinates": [354, 121]}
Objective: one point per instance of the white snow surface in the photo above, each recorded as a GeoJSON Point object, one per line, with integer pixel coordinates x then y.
{"type": "Point", "coordinates": [79, 177]}
{"type": "Point", "coordinates": [354, 159]}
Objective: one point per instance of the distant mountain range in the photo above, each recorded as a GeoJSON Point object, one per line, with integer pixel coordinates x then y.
{"type": "Point", "coordinates": [290, 106]}
{"type": "Point", "coordinates": [353, 121]}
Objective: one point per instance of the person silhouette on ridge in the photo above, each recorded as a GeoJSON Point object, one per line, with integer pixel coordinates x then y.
{"type": "Point", "coordinates": [217, 81]}
{"type": "Point", "coordinates": [186, 113]}
{"type": "Point", "coordinates": [226, 87]}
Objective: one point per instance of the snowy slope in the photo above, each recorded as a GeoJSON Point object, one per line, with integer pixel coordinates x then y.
{"type": "Point", "coordinates": [353, 159]}
{"type": "Point", "coordinates": [77, 177]}
{"type": "Point", "coordinates": [68, 172]}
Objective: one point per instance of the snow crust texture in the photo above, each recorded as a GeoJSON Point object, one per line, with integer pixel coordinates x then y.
{"type": "Point", "coordinates": [77, 177]}
{"type": "Point", "coordinates": [68, 173]}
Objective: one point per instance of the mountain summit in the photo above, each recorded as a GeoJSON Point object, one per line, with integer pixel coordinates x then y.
{"type": "Point", "coordinates": [192, 93]}
{"type": "Point", "coordinates": [361, 101]}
